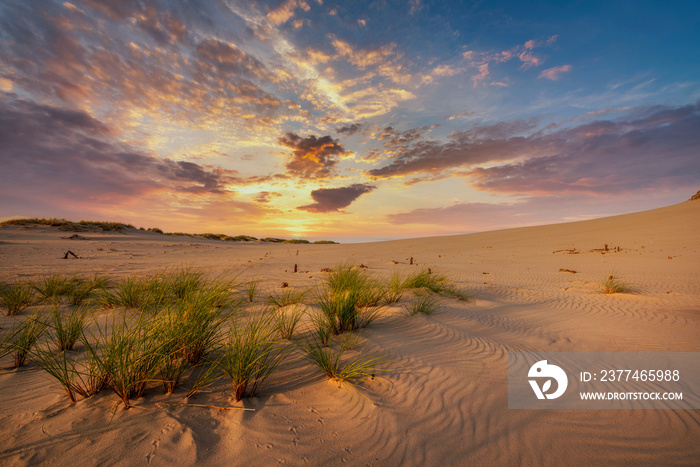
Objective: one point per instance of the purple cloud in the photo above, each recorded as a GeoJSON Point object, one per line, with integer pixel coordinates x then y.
{"type": "Point", "coordinates": [334, 199]}
{"type": "Point", "coordinates": [68, 154]}
{"type": "Point", "coordinates": [647, 147]}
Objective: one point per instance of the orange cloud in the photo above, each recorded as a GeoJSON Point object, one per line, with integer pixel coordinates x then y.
{"type": "Point", "coordinates": [285, 11]}
{"type": "Point", "coordinates": [312, 157]}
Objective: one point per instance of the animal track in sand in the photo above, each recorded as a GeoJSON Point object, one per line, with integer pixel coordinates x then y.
{"type": "Point", "coordinates": [156, 442]}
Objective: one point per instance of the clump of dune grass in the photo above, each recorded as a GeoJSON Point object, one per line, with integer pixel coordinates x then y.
{"type": "Point", "coordinates": [287, 297]}
{"type": "Point", "coordinates": [59, 365]}
{"type": "Point", "coordinates": [186, 333]}
{"type": "Point", "coordinates": [394, 288]}
{"type": "Point", "coordinates": [197, 326]}
{"type": "Point", "coordinates": [342, 312]}
{"type": "Point", "coordinates": [129, 292]}
{"type": "Point", "coordinates": [16, 297]}
{"type": "Point", "coordinates": [349, 341]}
{"type": "Point", "coordinates": [183, 282]}
{"type": "Point", "coordinates": [251, 290]}
{"type": "Point", "coordinates": [615, 285]}
{"type": "Point", "coordinates": [250, 355]}
{"type": "Point", "coordinates": [24, 336]}
{"type": "Point", "coordinates": [79, 289]}
{"type": "Point", "coordinates": [75, 290]}
{"type": "Point", "coordinates": [50, 289]}
{"type": "Point", "coordinates": [67, 327]}
{"type": "Point", "coordinates": [349, 278]}
{"type": "Point", "coordinates": [7, 337]}
{"type": "Point", "coordinates": [206, 377]}
{"type": "Point", "coordinates": [349, 300]}
{"type": "Point", "coordinates": [435, 283]}
{"type": "Point", "coordinates": [286, 320]}
{"type": "Point", "coordinates": [127, 354]}
{"type": "Point", "coordinates": [336, 368]}
{"type": "Point", "coordinates": [322, 328]}
{"type": "Point", "coordinates": [84, 379]}
{"type": "Point", "coordinates": [426, 304]}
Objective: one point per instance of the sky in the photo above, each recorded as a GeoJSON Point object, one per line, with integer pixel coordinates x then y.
{"type": "Point", "coordinates": [349, 120]}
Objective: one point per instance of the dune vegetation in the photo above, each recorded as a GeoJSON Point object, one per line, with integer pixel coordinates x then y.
{"type": "Point", "coordinates": [100, 226]}
{"type": "Point", "coordinates": [182, 328]}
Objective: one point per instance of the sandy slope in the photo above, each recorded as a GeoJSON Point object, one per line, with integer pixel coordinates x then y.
{"type": "Point", "coordinates": [446, 399]}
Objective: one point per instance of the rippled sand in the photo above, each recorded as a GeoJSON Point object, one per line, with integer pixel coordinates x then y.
{"type": "Point", "coordinates": [445, 400]}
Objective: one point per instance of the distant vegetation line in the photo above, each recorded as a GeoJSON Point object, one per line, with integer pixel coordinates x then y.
{"type": "Point", "coordinates": [91, 226]}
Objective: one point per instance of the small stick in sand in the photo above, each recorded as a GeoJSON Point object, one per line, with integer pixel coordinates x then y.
{"type": "Point", "coordinates": [70, 253]}
{"type": "Point", "coordinates": [295, 268]}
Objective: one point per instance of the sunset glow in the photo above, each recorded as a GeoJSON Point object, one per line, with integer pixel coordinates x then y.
{"type": "Point", "coordinates": [348, 121]}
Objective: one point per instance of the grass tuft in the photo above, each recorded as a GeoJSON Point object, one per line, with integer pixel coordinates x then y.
{"type": "Point", "coordinates": [84, 379]}
{"type": "Point", "coordinates": [286, 321]}
{"type": "Point", "coordinates": [435, 283]}
{"type": "Point", "coordinates": [394, 288]}
{"type": "Point", "coordinates": [251, 290]}
{"type": "Point", "coordinates": [50, 289]}
{"type": "Point", "coordinates": [67, 329]}
{"type": "Point", "coordinates": [350, 299]}
{"type": "Point", "coordinates": [614, 285]}
{"type": "Point", "coordinates": [288, 297]}
{"type": "Point", "coordinates": [24, 337]}
{"type": "Point", "coordinates": [16, 297]}
{"type": "Point", "coordinates": [336, 368]}
{"type": "Point", "coordinates": [251, 355]}
{"type": "Point", "coordinates": [427, 305]}
{"type": "Point", "coordinates": [127, 354]}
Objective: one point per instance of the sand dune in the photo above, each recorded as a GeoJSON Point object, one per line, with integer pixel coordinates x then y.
{"type": "Point", "coordinates": [444, 399]}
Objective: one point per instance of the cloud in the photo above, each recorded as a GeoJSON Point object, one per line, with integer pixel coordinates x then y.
{"type": "Point", "coordinates": [266, 196]}
{"type": "Point", "coordinates": [646, 147]}
{"type": "Point", "coordinates": [152, 60]}
{"type": "Point", "coordinates": [334, 199]}
{"type": "Point", "coordinates": [481, 144]}
{"type": "Point", "coordinates": [461, 115]}
{"type": "Point", "coordinates": [393, 137]}
{"type": "Point", "coordinates": [555, 73]}
{"type": "Point", "coordinates": [61, 154]}
{"type": "Point", "coordinates": [285, 11]}
{"type": "Point", "coordinates": [416, 6]}
{"type": "Point", "coordinates": [349, 129]}
{"type": "Point", "coordinates": [446, 70]}
{"type": "Point", "coordinates": [482, 61]}
{"type": "Point", "coordinates": [312, 157]}
{"type": "Point", "coordinates": [363, 58]}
